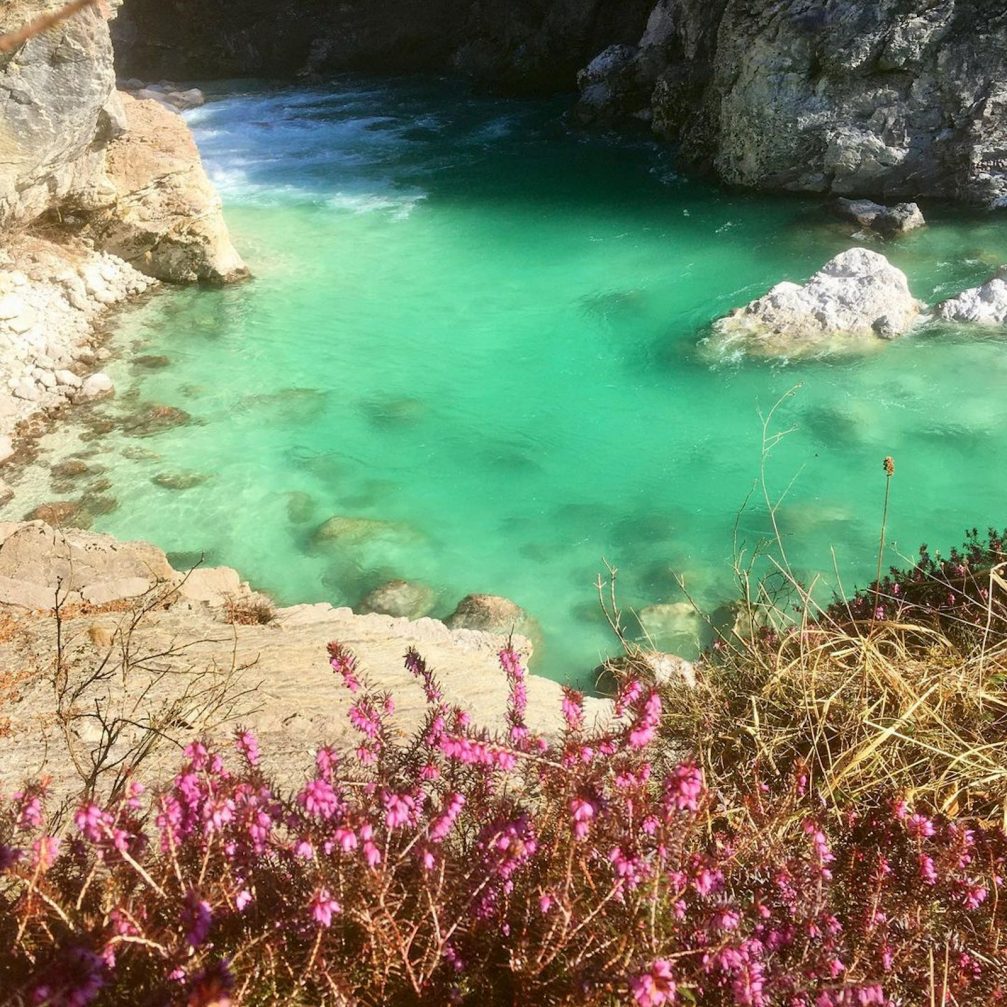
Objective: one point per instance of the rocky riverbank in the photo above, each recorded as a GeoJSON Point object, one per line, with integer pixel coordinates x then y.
{"type": "Point", "coordinates": [188, 654]}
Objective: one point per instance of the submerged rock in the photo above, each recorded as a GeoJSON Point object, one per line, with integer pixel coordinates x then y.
{"type": "Point", "coordinates": [179, 480]}
{"type": "Point", "coordinates": [650, 666]}
{"type": "Point", "coordinates": [151, 361]}
{"type": "Point", "coordinates": [153, 419]}
{"type": "Point", "coordinates": [851, 303]}
{"type": "Point", "coordinates": [490, 613]}
{"type": "Point", "coordinates": [983, 305]}
{"type": "Point", "coordinates": [59, 513]}
{"type": "Point", "coordinates": [301, 507]}
{"type": "Point", "coordinates": [71, 468]}
{"type": "Point", "coordinates": [343, 530]}
{"type": "Point", "coordinates": [886, 220]}
{"type": "Point", "coordinates": [400, 598]}
{"type": "Point", "coordinates": [672, 626]}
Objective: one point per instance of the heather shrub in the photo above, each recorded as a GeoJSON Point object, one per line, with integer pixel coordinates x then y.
{"type": "Point", "coordinates": [596, 867]}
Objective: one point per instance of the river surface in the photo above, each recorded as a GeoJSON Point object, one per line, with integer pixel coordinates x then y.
{"type": "Point", "coordinates": [484, 328]}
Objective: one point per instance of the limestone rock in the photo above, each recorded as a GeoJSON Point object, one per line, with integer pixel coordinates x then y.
{"type": "Point", "coordinates": [651, 666]}
{"type": "Point", "coordinates": [96, 386]}
{"type": "Point", "coordinates": [851, 301]}
{"type": "Point", "coordinates": [672, 626]}
{"type": "Point", "coordinates": [983, 305]}
{"type": "Point", "coordinates": [400, 598]}
{"type": "Point", "coordinates": [489, 613]}
{"type": "Point", "coordinates": [887, 221]}
{"type": "Point", "coordinates": [58, 108]}
{"type": "Point", "coordinates": [164, 216]}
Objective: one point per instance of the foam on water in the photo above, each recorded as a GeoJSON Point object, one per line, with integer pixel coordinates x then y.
{"type": "Point", "coordinates": [485, 329]}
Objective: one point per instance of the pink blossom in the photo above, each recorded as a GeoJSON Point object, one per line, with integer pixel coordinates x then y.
{"type": "Point", "coordinates": [324, 907]}
{"type": "Point", "coordinates": [656, 986]}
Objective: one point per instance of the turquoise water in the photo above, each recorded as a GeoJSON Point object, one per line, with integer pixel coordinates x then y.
{"type": "Point", "coordinates": [479, 325]}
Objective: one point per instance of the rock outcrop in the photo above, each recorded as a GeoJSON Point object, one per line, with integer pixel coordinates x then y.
{"type": "Point", "coordinates": [895, 98]}
{"type": "Point", "coordinates": [888, 221]}
{"type": "Point", "coordinates": [982, 305]}
{"type": "Point", "coordinates": [164, 216]}
{"type": "Point", "coordinates": [58, 111]}
{"type": "Point", "coordinates": [274, 672]}
{"type": "Point", "coordinates": [122, 172]}
{"type": "Point", "coordinates": [852, 303]}
{"type": "Point", "coordinates": [522, 45]}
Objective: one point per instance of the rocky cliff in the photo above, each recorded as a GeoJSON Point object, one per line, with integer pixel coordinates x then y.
{"type": "Point", "coordinates": [522, 45]}
{"type": "Point", "coordinates": [892, 98]}
{"type": "Point", "coordinates": [72, 160]}
{"type": "Point", "coordinates": [889, 97]}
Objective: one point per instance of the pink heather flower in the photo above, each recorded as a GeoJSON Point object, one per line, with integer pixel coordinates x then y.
{"type": "Point", "coordinates": [303, 850]}
{"type": "Point", "coordinates": [344, 663]}
{"type": "Point", "coordinates": [644, 730]}
{"type": "Point", "coordinates": [365, 718]}
{"type": "Point", "coordinates": [400, 809]}
{"type": "Point", "coordinates": [242, 899]}
{"type": "Point", "coordinates": [927, 870]}
{"type": "Point", "coordinates": [684, 787]}
{"type": "Point", "coordinates": [135, 792]}
{"type": "Point", "coordinates": [975, 895]}
{"type": "Point", "coordinates": [247, 745]}
{"type": "Point", "coordinates": [919, 826]}
{"type": "Point", "coordinates": [656, 986]}
{"type": "Point", "coordinates": [196, 919]}
{"type": "Point", "coordinates": [346, 838]}
{"type": "Point", "coordinates": [545, 902]}
{"type": "Point", "coordinates": [573, 709]}
{"type": "Point", "coordinates": [30, 812]}
{"type": "Point", "coordinates": [323, 907]}
{"type": "Point", "coordinates": [583, 812]}
{"type": "Point", "coordinates": [92, 822]}
{"type": "Point", "coordinates": [45, 850]}
{"type": "Point", "coordinates": [319, 799]}
{"type": "Point", "coordinates": [441, 826]}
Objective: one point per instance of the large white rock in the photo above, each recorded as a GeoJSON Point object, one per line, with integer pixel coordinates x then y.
{"type": "Point", "coordinates": [852, 303]}
{"type": "Point", "coordinates": [985, 305]}
{"type": "Point", "coordinates": [96, 386]}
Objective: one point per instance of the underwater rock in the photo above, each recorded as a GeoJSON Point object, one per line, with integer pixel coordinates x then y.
{"type": "Point", "coordinates": [296, 406]}
{"type": "Point", "coordinates": [153, 419]}
{"type": "Point", "coordinates": [59, 513]}
{"type": "Point", "coordinates": [983, 305]}
{"type": "Point", "coordinates": [179, 480]}
{"type": "Point", "coordinates": [650, 666]}
{"type": "Point", "coordinates": [672, 626]}
{"type": "Point", "coordinates": [400, 598]}
{"type": "Point", "coordinates": [853, 301]}
{"type": "Point", "coordinates": [490, 613]}
{"type": "Point", "coordinates": [71, 468]}
{"type": "Point", "coordinates": [301, 507]}
{"type": "Point", "coordinates": [151, 361]}
{"type": "Point", "coordinates": [343, 530]}
{"type": "Point", "coordinates": [886, 220]}
{"type": "Point", "coordinates": [394, 412]}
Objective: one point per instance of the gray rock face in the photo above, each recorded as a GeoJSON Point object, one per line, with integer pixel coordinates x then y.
{"type": "Point", "coordinates": [983, 305]}
{"type": "Point", "coordinates": [846, 306]}
{"type": "Point", "coordinates": [886, 220]}
{"type": "Point", "coordinates": [58, 108]}
{"type": "Point", "coordinates": [891, 98]}
{"type": "Point", "coordinates": [522, 45]}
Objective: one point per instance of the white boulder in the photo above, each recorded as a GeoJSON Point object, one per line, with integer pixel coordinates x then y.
{"type": "Point", "coordinates": [852, 303]}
